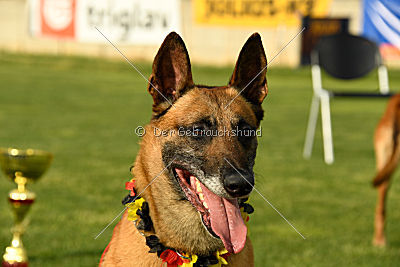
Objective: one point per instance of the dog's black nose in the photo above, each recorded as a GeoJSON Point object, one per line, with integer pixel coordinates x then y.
{"type": "Point", "coordinates": [238, 185]}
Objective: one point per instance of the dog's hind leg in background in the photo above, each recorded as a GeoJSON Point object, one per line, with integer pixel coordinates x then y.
{"type": "Point", "coordinates": [387, 153]}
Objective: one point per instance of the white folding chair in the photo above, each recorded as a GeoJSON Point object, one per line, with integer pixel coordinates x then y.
{"type": "Point", "coordinates": [345, 57]}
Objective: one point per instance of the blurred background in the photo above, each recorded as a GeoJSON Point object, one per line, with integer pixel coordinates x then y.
{"type": "Point", "coordinates": [213, 30]}
{"type": "Point", "coordinates": [65, 89]}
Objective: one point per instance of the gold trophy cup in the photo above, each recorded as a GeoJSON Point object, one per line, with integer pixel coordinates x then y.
{"type": "Point", "coordinates": [22, 167]}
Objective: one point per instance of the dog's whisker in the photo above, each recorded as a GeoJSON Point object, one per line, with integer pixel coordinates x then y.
{"type": "Point", "coordinates": [266, 200]}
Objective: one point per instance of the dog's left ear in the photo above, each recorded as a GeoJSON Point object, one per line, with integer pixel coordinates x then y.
{"type": "Point", "coordinates": [172, 74]}
{"type": "Point", "coordinates": [250, 71]}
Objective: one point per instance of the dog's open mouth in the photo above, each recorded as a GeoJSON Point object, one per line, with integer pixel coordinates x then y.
{"type": "Point", "coordinates": [220, 216]}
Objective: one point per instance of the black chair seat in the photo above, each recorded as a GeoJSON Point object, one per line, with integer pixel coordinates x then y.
{"type": "Point", "coordinates": [360, 94]}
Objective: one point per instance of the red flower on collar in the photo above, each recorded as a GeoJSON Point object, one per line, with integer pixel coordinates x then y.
{"type": "Point", "coordinates": [131, 187]}
{"type": "Point", "coordinates": [225, 256]}
{"type": "Point", "coordinates": [171, 258]}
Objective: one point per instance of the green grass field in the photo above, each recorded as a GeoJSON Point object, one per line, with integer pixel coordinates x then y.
{"type": "Point", "coordinates": [85, 112]}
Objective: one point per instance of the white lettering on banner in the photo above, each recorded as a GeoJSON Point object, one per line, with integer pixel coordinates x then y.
{"type": "Point", "coordinates": [134, 21]}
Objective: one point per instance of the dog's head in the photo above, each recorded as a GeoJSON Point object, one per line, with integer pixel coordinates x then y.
{"type": "Point", "coordinates": [205, 139]}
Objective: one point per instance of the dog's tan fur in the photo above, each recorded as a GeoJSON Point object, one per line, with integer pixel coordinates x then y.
{"type": "Point", "coordinates": [387, 153]}
{"type": "Point", "coordinates": [176, 223]}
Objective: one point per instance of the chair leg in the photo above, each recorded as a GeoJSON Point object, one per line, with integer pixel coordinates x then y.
{"type": "Point", "coordinates": [312, 123]}
{"type": "Point", "coordinates": [327, 128]}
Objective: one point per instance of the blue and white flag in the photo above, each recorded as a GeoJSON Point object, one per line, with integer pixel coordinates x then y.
{"type": "Point", "coordinates": [381, 23]}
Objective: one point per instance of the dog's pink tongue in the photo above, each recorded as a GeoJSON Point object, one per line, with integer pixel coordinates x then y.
{"type": "Point", "coordinates": [226, 220]}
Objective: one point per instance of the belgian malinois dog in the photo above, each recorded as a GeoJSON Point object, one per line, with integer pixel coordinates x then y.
{"type": "Point", "coordinates": [200, 178]}
{"type": "Point", "coordinates": [387, 154]}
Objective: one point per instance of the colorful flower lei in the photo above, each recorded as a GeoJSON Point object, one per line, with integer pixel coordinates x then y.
{"type": "Point", "coordinates": [138, 212]}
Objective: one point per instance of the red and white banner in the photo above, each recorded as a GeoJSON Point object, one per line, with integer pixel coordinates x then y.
{"type": "Point", "coordinates": [128, 21]}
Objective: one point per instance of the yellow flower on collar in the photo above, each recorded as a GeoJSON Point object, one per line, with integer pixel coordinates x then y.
{"type": "Point", "coordinates": [133, 207]}
{"type": "Point", "coordinates": [189, 264]}
{"type": "Point", "coordinates": [221, 260]}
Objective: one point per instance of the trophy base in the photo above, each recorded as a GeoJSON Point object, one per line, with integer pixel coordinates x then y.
{"type": "Point", "coordinates": [15, 257]}
{"type": "Point", "coordinates": [15, 264]}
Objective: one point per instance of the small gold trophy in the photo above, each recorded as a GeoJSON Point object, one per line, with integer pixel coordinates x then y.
{"type": "Point", "coordinates": [22, 167]}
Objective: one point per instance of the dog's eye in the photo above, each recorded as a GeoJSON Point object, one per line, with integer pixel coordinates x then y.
{"type": "Point", "coordinates": [202, 129]}
{"type": "Point", "coordinates": [245, 128]}
{"type": "Point", "coordinates": [245, 132]}
{"type": "Point", "coordinates": [199, 130]}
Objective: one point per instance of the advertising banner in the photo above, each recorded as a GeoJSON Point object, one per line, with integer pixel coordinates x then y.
{"type": "Point", "coordinates": [127, 21]}
{"type": "Point", "coordinates": [268, 13]}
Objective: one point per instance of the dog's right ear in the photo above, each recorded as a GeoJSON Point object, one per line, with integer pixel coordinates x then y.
{"type": "Point", "coordinates": [172, 74]}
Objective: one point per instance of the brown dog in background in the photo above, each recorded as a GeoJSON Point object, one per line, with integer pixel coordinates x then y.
{"type": "Point", "coordinates": [387, 153]}
{"type": "Point", "coordinates": [180, 221]}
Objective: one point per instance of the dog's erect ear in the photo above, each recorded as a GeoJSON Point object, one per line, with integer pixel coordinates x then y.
{"type": "Point", "coordinates": [172, 74]}
{"type": "Point", "coordinates": [250, 71]}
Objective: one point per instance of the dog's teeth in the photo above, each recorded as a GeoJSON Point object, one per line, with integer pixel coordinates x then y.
{"type": "Point", "coordinates": [201, 196]}
{"type": "Point", "coordinates": [205, 205]}
{"type": "Point", "coordinates": [198, 186]}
